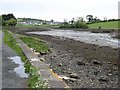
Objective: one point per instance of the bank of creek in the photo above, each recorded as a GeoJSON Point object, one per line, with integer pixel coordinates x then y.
{"type": "Point", "coordinates": [81, 58]}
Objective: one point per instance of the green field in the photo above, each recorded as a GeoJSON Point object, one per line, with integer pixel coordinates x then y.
{"type": "Point", "coordinates": [104, 25]}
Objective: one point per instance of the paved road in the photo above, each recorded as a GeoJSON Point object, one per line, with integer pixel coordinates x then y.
{"type": "Point", "coordinates": [9, 78]}
{"type": "Point", "coordinates": [0, 59]}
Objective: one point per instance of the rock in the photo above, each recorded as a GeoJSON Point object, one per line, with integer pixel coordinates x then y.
{"type": "Point", "coordinates": [60, 64]}
{"type": "Point", "coordinates": [109, 74]}
{"type": "Point", "coordinates": [85, 47]}
{"type": "Point", "coordinates": [109, 62]}
{"type": "Point", "coordinates": [96, 62]}
{"type": "Point", "coordinates": [74, 75]}
{"type": "Point", "coordinates": [72, 80]}
{"type": "Point", "coordinates": [96, 72]}
{"type": "Point", "coordinates": [80, 62]}
{"type": "Point", "coordinates": [42, 59]}
{"type": "Point", "coordinates": [31, 49]}
{"type": "Point", "coordinates": [66, 54]}
{"type": "Point", "coordinates": [103, 79]}
{"type": "Point", "coordinates": [106, 31]}
{"type": "Point", "coordinates": [43, 53]}
{"type": "Point", "coordinates": [95, 32]}
{"type": "Point", "coordinates": [34, 50]}
{"type": "Point", "coordinates": [52, 57]}
{"type": "Point", "coordinates": [37, 53]}
{"type": "Point", "coordinates": [64, 77]}
{"type": "Point", "coordinates": [59, 50]}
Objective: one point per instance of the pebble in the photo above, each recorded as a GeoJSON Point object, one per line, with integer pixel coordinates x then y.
{"type": "Point", "coordinates": [103, 79]}
{"type": "Point", "coordinates": [80, 62]}
{"type": "Point", "coordinates": [74, 75]}
{"type": "Point", "coordinates": [96, 62]}
{"type": "Point", "coordinates": [60, 64]}
{"type": "Point", "coordinates": [109, 74]}
{"type": "Point", "coordinates": [43, 53]}
{"type": "Point", "coordinates": [42, 59]}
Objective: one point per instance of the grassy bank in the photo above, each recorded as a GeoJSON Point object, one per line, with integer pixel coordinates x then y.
{"type": "Point", "coordinates": [35, 43]}
{"type": "Point", "coordinates": [104, 25]}
{"type": "Point", "coordinates": [35, 80]}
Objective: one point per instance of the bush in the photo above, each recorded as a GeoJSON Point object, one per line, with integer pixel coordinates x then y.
{"type": "Point", "coordinates": [77, 24]}
{"type": "Point", "coordinates": [11, 22]}
{"type": "Point", "coordinates": [80, 25]}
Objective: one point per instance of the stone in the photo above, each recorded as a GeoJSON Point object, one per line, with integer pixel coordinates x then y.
{"type": "Point", "coordinates": [72, 80]}
{"type": "Point", "coordinates": [80, 62]}
{"type": "Point", "coordinates": [59, 50]}
{"type": "Point", "coordinates": [42, 59]}
{"type": "Point", "coordinates": [109, 74]}
{"type": "Point", "coordinates": [31, 49]}
{"type": "Point", "coordinates": [52, 57]}
{"type": "Point", "coordinates": [43, 53]}
{"type": "Point", "coordinates": [96, 72]}
{"type": "Point", "coordinates": [74, 75]}
{"type": "Point", "coordinates": [60, 64]}
{"type": "Point", "coordinates": [109, 62]}
{"type": "Point", "coordinates": [96, 62]}
{"type": "Point", "coordinates": [103, 79]}
{"type": "Point", "coordinates": [37, 53]}
{"type": "Point", "coordinates": [64, 77]}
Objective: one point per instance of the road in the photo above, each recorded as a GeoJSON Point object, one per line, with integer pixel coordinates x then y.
{"type": "Point", "coordinates": [10, 79]}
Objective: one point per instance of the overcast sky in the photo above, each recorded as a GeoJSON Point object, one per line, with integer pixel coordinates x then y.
{"type": "Point", "coordinates": [59, 10]}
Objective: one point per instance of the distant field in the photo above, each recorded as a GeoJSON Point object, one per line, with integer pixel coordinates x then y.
{"type": "Point", "coordinates": [104, 25]}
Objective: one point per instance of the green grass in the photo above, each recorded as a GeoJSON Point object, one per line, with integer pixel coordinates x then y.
{"type": "Point", "coordinates": [35, 43]}
{"type": "Point", "coordinates": [35, 26]}
{"type": "Point", "coordinates": [10, 41]}
{"type": "Point", "coordinates": [104, 25]}
{"type": "Point", "coordinates": [35, 80]}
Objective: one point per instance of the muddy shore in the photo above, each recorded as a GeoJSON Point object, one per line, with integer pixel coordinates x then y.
{"type": "Point", "coordinates": [84, 65]}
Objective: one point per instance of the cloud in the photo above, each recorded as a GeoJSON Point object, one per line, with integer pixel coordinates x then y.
{"type": "Point", "coordinates": [60, 9]}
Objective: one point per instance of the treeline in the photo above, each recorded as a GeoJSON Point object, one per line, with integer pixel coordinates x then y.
{"type": "Point", "coordinates": [76, 24]}
{"type": "Point", "coordinates": [8, 20]}
{"type": "Point", "coordinates": [28, 19]}
{"type": "Point", "coordinates": [104, 21]}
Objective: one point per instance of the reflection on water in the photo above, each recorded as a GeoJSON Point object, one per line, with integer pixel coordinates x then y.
{"type": "Point", "coordinates": [102, 39]}
{"type": "Point", "coordinates": [20, 69]}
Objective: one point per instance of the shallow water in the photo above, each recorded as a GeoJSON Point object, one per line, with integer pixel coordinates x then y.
{"type": "Point", "coordinates": [20, 69]}
{"type": "Point", "coordinates": [101, 39]}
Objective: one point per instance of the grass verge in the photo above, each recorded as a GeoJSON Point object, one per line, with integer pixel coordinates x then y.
{"type": "Point", "coordinates": [35, 80]}
{"type": "Point", "coordinates": [35, 43]}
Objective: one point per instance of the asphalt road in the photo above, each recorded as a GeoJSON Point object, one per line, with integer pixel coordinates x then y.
{"type": "Point", "coordinates": [0, 59]}
{"type": "Point", "coordinates": [10, 79]}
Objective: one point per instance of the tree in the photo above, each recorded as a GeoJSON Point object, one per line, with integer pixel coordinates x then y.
{"type": "Point", "coordinates": [11, 22]}
{"type": "Point", "coordinates": [9, 19]}
{"type": "Point", "coordinates": [72, 21]}
{"type": "Point", "coordinates": [90, 18]}
{"type": "Point", "coordinates": [80, 19]}
{"type": "Point", "coordinates": [105, 18]}
{"type": "Point", "coordinates": [52, 20]}
{"type": "Point", "coordinates": [65, 22]}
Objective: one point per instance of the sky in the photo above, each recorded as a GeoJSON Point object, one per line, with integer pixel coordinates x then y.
{"type": "Point", "coordinates": [58, 10]}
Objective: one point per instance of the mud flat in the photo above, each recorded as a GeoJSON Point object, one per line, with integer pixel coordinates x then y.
{"type": "Point", "coordinates": [84, 65]}
{"type": "Point", "coordinates": [80, 64]}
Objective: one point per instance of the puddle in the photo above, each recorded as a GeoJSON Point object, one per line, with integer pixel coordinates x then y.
{"type": "Point", "coordinates": [20, 69]}
{"type": "Point", "coordinates": [101, 39]}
